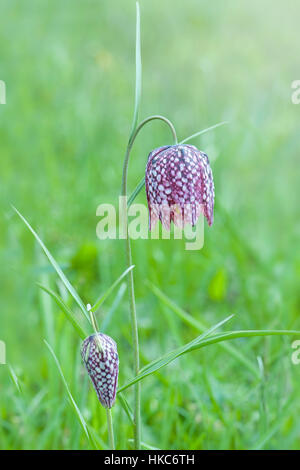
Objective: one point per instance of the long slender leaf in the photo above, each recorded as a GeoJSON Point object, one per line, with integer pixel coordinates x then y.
{"type": "Point", "coordinates": [14, 378]}
{"type": "Point", "coordinates": [81, 419]}
{"type": "Point", "coordinates": [136, 191]}
{"type": "Point", "coordinates": [57, 268]}
{"type": "Point", "coordinates": [110, 289]}
{"type": "Point", "coordinates": [68, 313]}
{"type": "Point", "coordinates": [172, 355]}
{"type": "Point", "coordinates": [199, 343]}
{"type": "Point", "coordinates": [200, 326]}
{"type": "Point", "coordinates": [285, 412]}
{"type": "Point", "coordinates": [99, 443]}
{"type": "Point", "coordinates": [126, 407]}
{"type": "Point", "coordinates": [138, 71]}
{"type": "Point", "coordinates": [145, 445]}
{"type": "Point", "coordinates": [244, 334]}
{"type": "Point", "coordinates": [113, 308]}
{"type": "Point", "coordinates": [203, 131]}
{"type": "Point", "coordinates": [169, 357]}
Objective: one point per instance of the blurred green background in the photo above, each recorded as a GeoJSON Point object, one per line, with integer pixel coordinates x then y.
{"type": "Point", "coordinates": [69, 72]}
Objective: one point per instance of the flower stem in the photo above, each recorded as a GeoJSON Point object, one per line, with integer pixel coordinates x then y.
{"type": "Point", "coordinates": [131, 142]}
{"type": "Point", "coordinates": [135, 336]}
{"type": "Point", "coordinates": [134, 325]}
{"type": "Point", "coordinates": [110, 430]}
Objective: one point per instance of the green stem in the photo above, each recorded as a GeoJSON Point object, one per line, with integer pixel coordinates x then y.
{"type": "Point", "coordinates": [131, 142]}
{"type": "Point", "coordinates": [134, 325]}
{"type": "Point", "coordinates": [110, 430]}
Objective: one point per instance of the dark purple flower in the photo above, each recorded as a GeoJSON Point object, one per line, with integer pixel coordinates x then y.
{"type": "Point", "coordinates": [179, 186]}
{"type": "Point", "coordinates": [100, 356]}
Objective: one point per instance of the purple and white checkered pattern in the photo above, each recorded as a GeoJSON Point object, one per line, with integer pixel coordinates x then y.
{"type": "Point", "coordinates": [179, 186]}
{"type": "Point", "coordinates": [102, 365]}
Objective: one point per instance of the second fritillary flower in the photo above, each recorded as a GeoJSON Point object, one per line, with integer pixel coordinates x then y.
{"type": "Point", "coordinates": [100, 356]}
{"type": "Point", "coordinates": [179, 186]}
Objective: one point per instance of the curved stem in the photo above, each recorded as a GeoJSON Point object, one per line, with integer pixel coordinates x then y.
{"type": "Point", "coordinates": [134, 325]}
{"type": "Point", "coordinates": [131, 142]}
{"type": "Point", "coordinates": [110, 429]}
{"type": "Point", "coordinates": [141, 184]}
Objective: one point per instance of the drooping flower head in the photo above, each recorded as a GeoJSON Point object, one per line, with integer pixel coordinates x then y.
{"type": "Point", "coordinates": [179, 186]}
{"type": "Point", "coordinates": [100, 356]}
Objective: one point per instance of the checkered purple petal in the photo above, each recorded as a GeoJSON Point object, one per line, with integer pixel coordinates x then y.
{"type": "Point", "coordinates": [102, 366]}
{"type": "Point", "coordinates": [179, 186]}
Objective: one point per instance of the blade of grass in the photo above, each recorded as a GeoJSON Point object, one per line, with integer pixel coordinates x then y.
{"type": "Point", "coordinates": [263, 403]}
{"type": "Point", "coordinates": [138, 72]}
{"type": "Point", "coordinates": [274, 428]}
{"type": "Point", "coordinates": [113, 308]}
{"type": "Point", "coordinates": [110, 289]}
{"type": "Point", "coordinates": [99, 443]}
{"type": "Point", "coordinates": [171, 355]}
{"type": "Point", "coordinates": [203, 131]}
{"type": "Point", "coordinates": [56, 267]}
{"type": "Point", "coordinates": [145, 445]}
{"type": "Point", "coordinates": [68, 313]}
{"type": "Point", "coordinates": [200, 326]}
{"type": "Point", "coordinates": [45, 301]}
{"type": "Point", "coordinates": [14, 378]}
{"type": "Point", "coordinates": [136, 191]}
{"type": "Point", "coordinates": [126, 407]}
{"type": "Point", "coordinates": [199, 343]}
{"type": "Point", "coordinates": [81, 419]}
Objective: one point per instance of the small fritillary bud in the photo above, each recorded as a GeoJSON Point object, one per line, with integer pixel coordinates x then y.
{"type": "Point", "coordinates": [100, 357]}
{"type": "Point", "coordinates": [179, 186]}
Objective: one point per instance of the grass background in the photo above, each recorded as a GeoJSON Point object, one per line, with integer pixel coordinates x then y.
{"type": "Point", "coordinates": [69, 72]}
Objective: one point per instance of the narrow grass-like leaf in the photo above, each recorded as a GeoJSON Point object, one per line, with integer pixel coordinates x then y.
{"type": "Point", "coordinates": [274, 428]}
{"type": "Point", "coordinates": [81, 419]}
{"type": "Point", "coordinates": [201, 342]}
{"type": "Point", "coordinates": [99, 443]}
{"type": "Point", "coordinates": [14, 378]}
{"type": "Point", "coordinates": [203, 131]}
{"type": "Point", "coordinates": [113, 308]}
{"type": "Point", "coordinates": [243, 334]}
{"type": "Point", "coordinates": [126, 407]}
{"type": "Point", "coordinates": [68, 313]}
{"type": "Point", "coordinates": [135, 192]}
{"type": "Point", "coordinates": [55, 265]}
{"type": "Point", "coordinates": [200, 326]}
{"type": "Point", "coordinates": [45, 301]}
{"type": "Point", "coordinates": [172, 355]}
{"type": "Point", "coordinates": [110, 289]}
{"type": "Point", "coordinates": [145, 445]}
{"type": "Point", "coordinates": [169, 357]}
{"type": "Point", "coordinates": [138, 72]}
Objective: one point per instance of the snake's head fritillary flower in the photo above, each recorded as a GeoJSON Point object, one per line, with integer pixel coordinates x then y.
{"type": "Point", "coordinates": [179, 186]}
{"type": "Point", "coordinates": [100, 356]}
